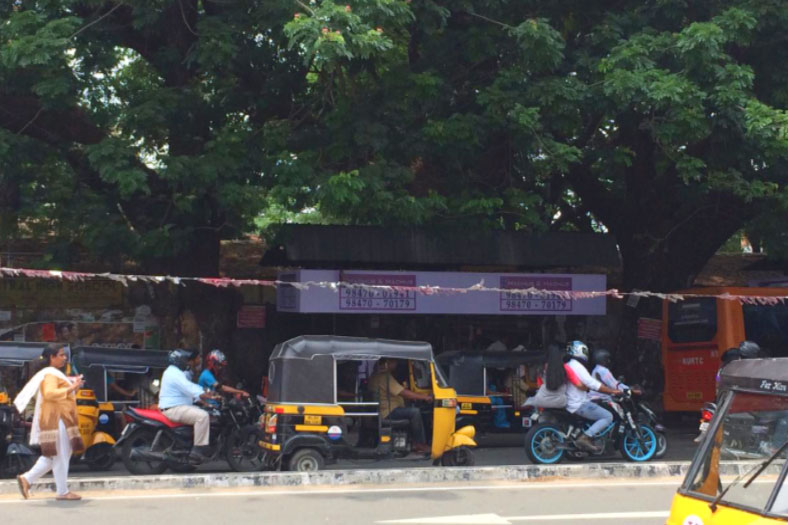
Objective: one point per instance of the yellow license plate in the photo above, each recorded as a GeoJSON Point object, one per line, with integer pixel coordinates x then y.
{"type": "Point", "coordinates": [312, 420]}
{"type": "Point", "coordinates": [467, 406]}
{"type": "Point", "coordinates": [695, 396]}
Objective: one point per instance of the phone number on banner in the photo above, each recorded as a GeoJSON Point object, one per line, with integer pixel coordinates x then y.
{"type": "Point", "coordinates": [520, 302]}
{"type": "Point", "coordinates": [363, 299]}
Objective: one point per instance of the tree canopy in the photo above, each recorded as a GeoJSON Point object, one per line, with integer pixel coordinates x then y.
{"type": "Point", "coordinates": [149, 129]}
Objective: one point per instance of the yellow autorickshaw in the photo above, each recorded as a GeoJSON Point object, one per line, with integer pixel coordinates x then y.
{"type": "Point", "coordinates": [305, 425]}
{"type": "Point", "coordinates": [96, 409]}
{"type": "Point", "coordinates": [471, 375]}
{"type": "Point", "coordinates": [751, 425]}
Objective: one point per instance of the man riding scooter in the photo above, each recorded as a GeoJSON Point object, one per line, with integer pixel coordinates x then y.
{"type": "Point", "coordinates": [579, 382]}
{"type": "Point", "coordinates": [215, 365]}
{"type": "Point", "coordinates": [177, 397]}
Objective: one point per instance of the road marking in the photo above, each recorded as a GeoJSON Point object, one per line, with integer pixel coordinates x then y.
{"type": "Point", "coordinates": [494, 519]}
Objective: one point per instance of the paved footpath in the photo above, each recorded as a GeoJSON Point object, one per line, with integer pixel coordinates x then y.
{"type": "Point", "coordinates": [578, 501]}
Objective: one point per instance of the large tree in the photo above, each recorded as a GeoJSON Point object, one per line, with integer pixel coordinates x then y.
{"type": "Point", "coordinates": [146, 130]}
{"type": "Point", "coordinates": [661, 121]}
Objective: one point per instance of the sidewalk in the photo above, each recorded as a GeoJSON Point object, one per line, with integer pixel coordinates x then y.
{"type": "Point", "coordinates": [505, 462]}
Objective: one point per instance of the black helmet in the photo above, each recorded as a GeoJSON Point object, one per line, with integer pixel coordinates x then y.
{"type": "Point", "coordinates": [730, 355]}
{"type": "Point", "coordinates": [601, 356]}
{"type": "Point", "coordinates": [749, 350]}
{"type": "Point", "coordinates": [180, 357]}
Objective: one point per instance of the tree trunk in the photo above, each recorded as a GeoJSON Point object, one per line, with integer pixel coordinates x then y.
{"type": "Point", "coordinates": [200, 259]}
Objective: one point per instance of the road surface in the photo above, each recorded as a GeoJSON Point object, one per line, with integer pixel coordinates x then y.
{"type": "Point", "coordinates": [624, 503]}
{"type": "Point", "coordinates": [494, 450]}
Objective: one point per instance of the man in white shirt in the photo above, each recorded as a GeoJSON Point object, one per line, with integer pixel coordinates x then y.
{"type": "Point", "coordinates": [579, 382]}
{"type": "Point", "coordinates": [177, 397]}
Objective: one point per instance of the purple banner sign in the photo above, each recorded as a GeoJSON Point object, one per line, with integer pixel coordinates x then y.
{"type": "Point", "coordinates": [351, 297]}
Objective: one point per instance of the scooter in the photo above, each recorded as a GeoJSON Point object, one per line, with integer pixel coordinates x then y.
{"type": "Point", "coordinates": [706, 415]}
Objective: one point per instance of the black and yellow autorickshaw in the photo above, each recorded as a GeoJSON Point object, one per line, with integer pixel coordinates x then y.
{"type": "Point", "coordinates": [99, 412]}
{"type": "Point", "coordinates": [488, 382]}
{"type": "Point", "coordinates": [751, 427]}
{"type": "Point", "coordinates": [15, 360]}
{"type": "Point", "coordinates": [305, 425]}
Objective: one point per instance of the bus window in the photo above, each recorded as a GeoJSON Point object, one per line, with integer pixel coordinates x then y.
{"type": "Point", "coordinates": [693, 320]}
{"type": "Point", "coordinates": [767, 325]}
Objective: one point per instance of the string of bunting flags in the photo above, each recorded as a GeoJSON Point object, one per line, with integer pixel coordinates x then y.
{"type": "Point", "coordinates": [222, 282]}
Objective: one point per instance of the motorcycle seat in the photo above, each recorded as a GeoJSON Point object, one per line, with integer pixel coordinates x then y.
{"type": "Point", "coordinates": [562, 415]}
{"type": "Point", "coordinates": [156, 415]}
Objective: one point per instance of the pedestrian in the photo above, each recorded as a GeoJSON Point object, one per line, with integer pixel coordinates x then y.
{"type": "Point", "coordinates": [55, 426]}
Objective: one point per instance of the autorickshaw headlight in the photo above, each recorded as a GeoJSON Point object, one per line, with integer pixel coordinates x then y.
{"type": "Point", "coordinates": [449, 403]}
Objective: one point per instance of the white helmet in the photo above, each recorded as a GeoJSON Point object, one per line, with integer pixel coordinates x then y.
{"type": "Point", "coordinates": [578, 350]}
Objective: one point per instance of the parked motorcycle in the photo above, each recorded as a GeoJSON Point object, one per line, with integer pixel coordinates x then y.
{"type": "Point", "coordinates": [553, 435]}
{"type": "Point", "coordinates": [151, 443]}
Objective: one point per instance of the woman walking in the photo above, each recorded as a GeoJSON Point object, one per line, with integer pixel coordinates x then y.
{"type": "Point", "coordinates": [55, 426]}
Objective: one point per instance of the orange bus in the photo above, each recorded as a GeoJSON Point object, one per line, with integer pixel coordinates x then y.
{"type": "Point", "coordinates": [696, 332]}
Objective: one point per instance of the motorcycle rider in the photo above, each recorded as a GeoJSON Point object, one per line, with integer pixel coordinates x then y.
{"type": "Point", "coordinates": [579, 382]}
{"type": "Point", "coordinates": [601, 359]}
{"type": "Point", "coordinates": [215, 364]}
{"type": "Point", "coordinates": [177, 396]}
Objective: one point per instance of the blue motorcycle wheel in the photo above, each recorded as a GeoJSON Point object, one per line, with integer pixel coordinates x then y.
{"type": "Point", "coordinates": [544, 444]}
{"type": "Point", "coordinates": [640, 446]}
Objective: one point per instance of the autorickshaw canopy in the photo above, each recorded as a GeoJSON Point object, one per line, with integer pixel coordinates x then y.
{"type": "Point", "coordinates": [302, 369]}
{"type": "Point", "coordinates": [118, 359]}
{"type": "Point", "coordinates": [18, 354]}
{"type": "Point", "coordinates": [94, 362]}
{"type": "Point", "coordinates": [466, 369]}
{"type": "Point", "coordinates": [766, 376]}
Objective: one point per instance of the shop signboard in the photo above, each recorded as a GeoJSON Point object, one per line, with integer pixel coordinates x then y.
{"type": "Point", "coordinates": [312, 293]}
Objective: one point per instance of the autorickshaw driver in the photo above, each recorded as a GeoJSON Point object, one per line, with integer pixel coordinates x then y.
{"type": "Point", "coordinates": [392, 395]}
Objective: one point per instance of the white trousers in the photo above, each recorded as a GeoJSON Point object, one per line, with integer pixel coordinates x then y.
{"type": "Point", "coordinates": [58, 464]}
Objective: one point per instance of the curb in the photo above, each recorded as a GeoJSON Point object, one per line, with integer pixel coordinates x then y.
{"type": "Point", "coordinates": [359, 477]}
{"type": "Point", "coordinates": [376, 476]}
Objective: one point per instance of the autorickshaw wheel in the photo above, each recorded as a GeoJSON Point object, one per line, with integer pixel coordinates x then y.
{"type": "Point", "coordinates": [458, 457]}
{"type": "Point", "coordinates": [306, 460]}
{"type": "Point", "coordinates": [103, 461]}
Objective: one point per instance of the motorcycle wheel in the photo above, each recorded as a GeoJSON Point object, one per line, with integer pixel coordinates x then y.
{"type": "Point", "coordinates": [639, 445]}
{"type": "Point", "coordinates": [662, 445]}
{"type": "Point", "coordinates": [543, 444]}
{"type": "Point", "coordinates": [242, 452]}
{"type": "Point", "coordinates": [458, 457]}
{"type": "Point", "coordinates": [141, 438]}
{"type": "Point", "coordinates": [181, 468]}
